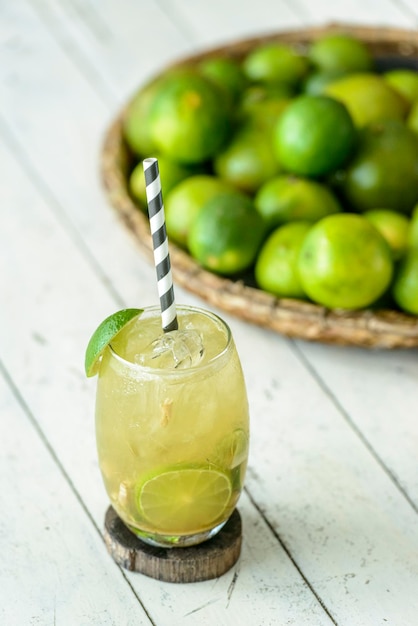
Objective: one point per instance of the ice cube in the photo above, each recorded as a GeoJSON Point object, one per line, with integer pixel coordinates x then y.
{"type": "Point", "coordinates": [178, 349]}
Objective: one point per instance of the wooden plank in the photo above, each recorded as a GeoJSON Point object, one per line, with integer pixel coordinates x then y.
{"type": "Point", "coordinates": [217, 22]}
{"type": "Point", "coordinates": [53, 297]}
{"type": "Point", "coordinates": [367, 12]}
{"type": "Point", "coordinates": [102, 39]}
{"type": "Point", "coordinates": [50, 550]}
{"type": "Point", "coordinates": [352, 533]}
{"type": "Point", "coordinates": [61, 126]}
{"type": "Point", "coordinates": [379, 393]}
{"type": "Point", "coordinates": [410, 8]}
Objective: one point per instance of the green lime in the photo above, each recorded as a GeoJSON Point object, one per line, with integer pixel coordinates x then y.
{"type": "Point", "coordinates": [413, 229]}
{"type": "Point", "coordinates": [226, 234]}
{"type": "Point", "coordinates": [393, 226]}
{"type": "Point", "coordinates": [317, 82]}
{"type": "Point", "coordinates": [247, 161]}
{"type": "Point", "coordinates": [185, 200]}
{"type": "Point", "coordinates": [314, 136]}
{"type": "Point", "coordinates": [340, 53]}
{"type": "Point", "coordinates": [255, 94]}
{"type": "Point", "coordinates": [412, 119]}
{"type": "Point", "coordinates": [275, 63]}
{"type": "Point", "coordinates": [184, 500]}
{"type": "Point", "coordinates": [405, 285]}
{"type": "Point", "coordinates": [368, 98]}
{"type": "Point", "coordinates": [344, 262]}
{"type": "Point", "coordinates": [189, 119]}
{"type": "Point", "coordinates": [227, 73]}
{"type": "Point", "coordinates": [404, 81]}
{"type": "Point", "coordinates": [375, 177]}
{"type": "Point", "coordinates": [135, 124]}
{"type": "Point", "coordinates": [286, 198]}
{"type": "Point", "coordinates": [103, 335]}
{"type": "Point", "coordinates": [276, 268]}
{"type": "Point", "coordinates": [171, 173]}
{"type": "Point", "coordinates": [263, 114]}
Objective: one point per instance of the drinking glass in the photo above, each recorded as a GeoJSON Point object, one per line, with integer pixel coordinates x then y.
{"type": "Point", "coordinates": [172, 426]}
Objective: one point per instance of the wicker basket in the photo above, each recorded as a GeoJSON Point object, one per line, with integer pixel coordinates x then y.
{"type": "Point", "coordinates": [294, 318]}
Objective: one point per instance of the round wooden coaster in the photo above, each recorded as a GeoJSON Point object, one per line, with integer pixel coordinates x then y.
{"type": "Point", "coordinates": [176, 565]}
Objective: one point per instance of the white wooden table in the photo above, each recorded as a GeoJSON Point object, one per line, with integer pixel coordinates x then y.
{"type": "Point", "coordinates": [330, 510]}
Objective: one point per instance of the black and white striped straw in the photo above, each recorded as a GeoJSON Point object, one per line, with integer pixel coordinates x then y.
{"type": "Point", "coordinates": [160, 244]}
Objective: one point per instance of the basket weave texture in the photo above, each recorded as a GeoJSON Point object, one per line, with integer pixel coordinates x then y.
{"type": "Point", "coordinates": [294, 318]}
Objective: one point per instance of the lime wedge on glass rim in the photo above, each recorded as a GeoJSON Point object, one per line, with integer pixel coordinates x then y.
{"type": "Point", "coordinates": [103, 335]}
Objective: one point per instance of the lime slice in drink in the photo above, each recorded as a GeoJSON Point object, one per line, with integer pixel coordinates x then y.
{"type": "Point", "coordinates": [184, 500]}
{"type": "Point", "coordinates": [232, 450]}
{"type": "Point", "coordinates": [103, 335]}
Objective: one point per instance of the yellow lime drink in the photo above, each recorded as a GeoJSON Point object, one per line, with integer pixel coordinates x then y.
{"type": "Point", "coordinates": [172, 426]}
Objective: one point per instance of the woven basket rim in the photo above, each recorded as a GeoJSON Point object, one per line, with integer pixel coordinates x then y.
{"type": "Point", "coordinates": [290, 317]}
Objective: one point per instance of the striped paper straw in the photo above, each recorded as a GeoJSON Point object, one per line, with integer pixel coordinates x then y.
{"type": "Point", "coordinates": [160, 244]}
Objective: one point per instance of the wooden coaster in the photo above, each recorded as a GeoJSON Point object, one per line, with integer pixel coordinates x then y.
{"type": "Point", "coordinates": [176, 565]}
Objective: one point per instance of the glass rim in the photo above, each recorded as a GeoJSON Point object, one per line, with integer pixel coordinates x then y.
{"type": "Point", "coordinates": [159, 371]}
